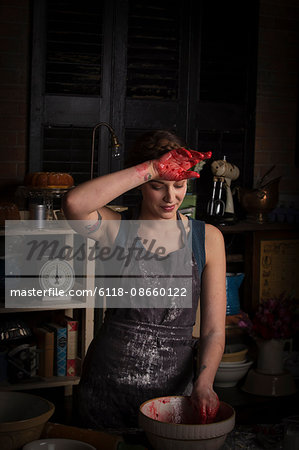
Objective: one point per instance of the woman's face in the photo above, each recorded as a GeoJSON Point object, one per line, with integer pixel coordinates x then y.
{"type": "Point", "coordinates": [161, 199]}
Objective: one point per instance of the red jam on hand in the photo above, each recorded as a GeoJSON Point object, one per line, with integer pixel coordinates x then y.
{"type": "Point", "coordinates": [175, 165]}
{"type": "Point", "coordinates": [208, 415]}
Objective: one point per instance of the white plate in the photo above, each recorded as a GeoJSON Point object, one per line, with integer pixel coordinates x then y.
{"type": "Point", "coordinates": [58, 444]}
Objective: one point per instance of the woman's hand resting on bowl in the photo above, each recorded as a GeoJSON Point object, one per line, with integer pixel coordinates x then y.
{"type": "Point", "coordinates": [206, 402]}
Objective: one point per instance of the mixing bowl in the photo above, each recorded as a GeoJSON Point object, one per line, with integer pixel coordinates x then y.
{"type": "Point", "coordinates": [22, 418]}
{"type": "Point", "coordinates": [171, 423]}
{"type": "Point", "coordinates": [229, 373]}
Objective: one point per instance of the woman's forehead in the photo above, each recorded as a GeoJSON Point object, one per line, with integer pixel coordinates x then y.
{"type": "Point", "coordinates": [168, 143]}
{"type": "Point", "coordinates": [167, 182]}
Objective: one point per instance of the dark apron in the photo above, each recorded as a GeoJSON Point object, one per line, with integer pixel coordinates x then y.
{"type": "Point", "coordinates": [138, 354]}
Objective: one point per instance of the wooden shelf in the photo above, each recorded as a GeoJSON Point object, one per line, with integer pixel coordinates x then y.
{"type": "Point", "coordinates": [49, 307]}
{"type": "Point", "coordinates": [40, 383]}
{"type": "Point", "coordinates": [234, 257]}
{"type": "Point", "coordinates": [40, 305]}
{"type": "Point", "coordinates": [247, 243]}
{"type": "Point", "coordinates": [53, 227]}
{"type": "Point", "coordinates": [36, 310]}
{"type": "Point", "coordinates": [243, 226]}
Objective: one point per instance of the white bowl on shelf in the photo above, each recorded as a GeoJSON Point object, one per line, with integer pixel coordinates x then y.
{"type": "Point", "coordinates": [228, 375]}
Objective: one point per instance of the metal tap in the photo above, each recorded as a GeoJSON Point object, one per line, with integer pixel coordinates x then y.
{"type": "Point", "coordinates": [114, 139]}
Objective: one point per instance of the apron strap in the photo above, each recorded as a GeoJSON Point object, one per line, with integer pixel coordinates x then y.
{"type": "Point", "coordinates": [198, 242]}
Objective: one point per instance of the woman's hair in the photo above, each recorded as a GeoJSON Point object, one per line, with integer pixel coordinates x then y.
{"type": "Point", "coordinates": [149, 146]}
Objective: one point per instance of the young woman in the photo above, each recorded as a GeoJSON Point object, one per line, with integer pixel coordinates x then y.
{"type": "Point", "coordinates": [142, 353]}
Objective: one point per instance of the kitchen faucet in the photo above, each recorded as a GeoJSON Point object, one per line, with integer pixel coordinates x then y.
{"type": "Point", "coordinates": [114, 139]}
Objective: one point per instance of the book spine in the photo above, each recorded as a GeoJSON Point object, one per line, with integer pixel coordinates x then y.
{"type": "Point", "coordinates": [45, 339]}
{"type": "Point", "coordinates": [61, 347]}
{"type": "Point", "coordinates": [72, 348]}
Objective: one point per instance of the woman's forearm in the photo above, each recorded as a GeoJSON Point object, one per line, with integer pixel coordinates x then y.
{"type": "Point", "coordinates": [210, 353]}
{"type": "Point", "coordinates": [203, 396]}
{"type": "Point", "coordinates": [94, 194]}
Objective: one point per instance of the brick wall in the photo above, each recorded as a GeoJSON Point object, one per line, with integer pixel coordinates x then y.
{"type": "Point", "coordinates": [14, 77]}
{"type": "Point", "coordinates": [277, 95]}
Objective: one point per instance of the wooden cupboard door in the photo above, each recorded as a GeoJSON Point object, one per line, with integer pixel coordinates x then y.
{"type": "Point", "coordinates": [184, 65]}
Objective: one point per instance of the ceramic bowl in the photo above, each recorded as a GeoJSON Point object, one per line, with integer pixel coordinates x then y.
{"type": "Point", "coordinates": [232, 363]}
{"type": "Point", "coordinates": [234, 353]}
{"type": "Point", "coordinates": [22, 418]}
{"type": "Point", "coordinates": [170, 424]}
{"type": "Point", "coordinates": [228, 375]}
{"type": "Point", "coordinates": [58, 444]}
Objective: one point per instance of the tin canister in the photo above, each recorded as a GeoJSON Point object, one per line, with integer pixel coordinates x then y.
{"type": "Point", "coordinates": [38, 214]}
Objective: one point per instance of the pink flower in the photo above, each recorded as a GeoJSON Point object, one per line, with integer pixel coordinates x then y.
{"type": "Point", "coordinates": [275, 318]}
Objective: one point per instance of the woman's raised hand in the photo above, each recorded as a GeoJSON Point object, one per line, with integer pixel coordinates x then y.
{"type": "Point", "coordinates": [175, 165]}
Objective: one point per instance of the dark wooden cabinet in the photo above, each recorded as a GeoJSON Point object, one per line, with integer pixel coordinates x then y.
{"type": "Point", "coordinates": [188, 66]}
{"type": "Point", "coordinates": [267, 254]}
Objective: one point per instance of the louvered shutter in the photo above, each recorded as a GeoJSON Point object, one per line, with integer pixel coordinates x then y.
{"type": "Point", "coordinates": [74, 47]}
{"type": "Point", "coordinates": [153, 56]}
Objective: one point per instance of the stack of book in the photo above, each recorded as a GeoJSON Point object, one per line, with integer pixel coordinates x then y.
{"type": "Point", "coordinates": [58, 348]}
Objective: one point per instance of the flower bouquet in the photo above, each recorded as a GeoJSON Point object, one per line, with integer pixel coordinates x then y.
{"type": "Point", "coordinates": [275, 318]}
{"type": "Point", "coordinates": [273, 325]}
